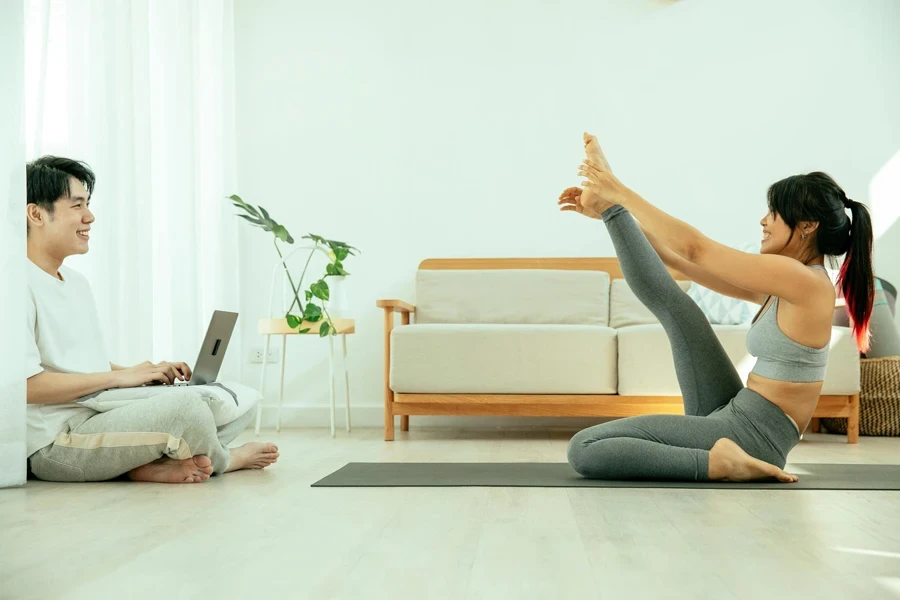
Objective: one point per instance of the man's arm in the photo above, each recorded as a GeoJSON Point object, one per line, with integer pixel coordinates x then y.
{"type": "Point", "coordinates": [57, 388]}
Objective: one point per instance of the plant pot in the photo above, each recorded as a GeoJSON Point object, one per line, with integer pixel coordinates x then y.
{"type": "Point", "coordinates": [337, 304]}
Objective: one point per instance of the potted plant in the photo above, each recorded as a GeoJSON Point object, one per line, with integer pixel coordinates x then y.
{"type": "Point", "coordinates": [318, 290]}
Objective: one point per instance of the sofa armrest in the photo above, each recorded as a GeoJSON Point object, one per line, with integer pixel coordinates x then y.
{"type": "Point", "coordinates": [405, 309]}
{"type": "Point", "coordinates": [396, 306]}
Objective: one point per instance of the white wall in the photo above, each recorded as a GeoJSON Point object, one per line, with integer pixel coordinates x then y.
{"type": "Point", "coordinates": [12, 259]}
{"type": "Point", "coordinates": [414, 130]}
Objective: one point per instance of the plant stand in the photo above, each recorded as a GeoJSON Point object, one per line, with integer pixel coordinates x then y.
{"type": "Point", "coordinates": [270, 327]}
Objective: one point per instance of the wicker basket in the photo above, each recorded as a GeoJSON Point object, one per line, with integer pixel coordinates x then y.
{"type": "Point", "coordinates": [879, 399]}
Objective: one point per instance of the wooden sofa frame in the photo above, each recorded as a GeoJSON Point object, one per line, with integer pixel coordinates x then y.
{"type": "Point", "coordinates": [548, 405]}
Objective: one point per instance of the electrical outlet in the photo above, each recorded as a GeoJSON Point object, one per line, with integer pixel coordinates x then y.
{"type": "Point", "coordinates": [256, 355]}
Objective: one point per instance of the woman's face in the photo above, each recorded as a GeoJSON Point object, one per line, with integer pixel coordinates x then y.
{"type": "Point", "coordinates": [775, 236]}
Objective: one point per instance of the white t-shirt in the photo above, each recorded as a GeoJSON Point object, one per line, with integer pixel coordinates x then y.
{"type": "Point", "coordinates": [64, 336]}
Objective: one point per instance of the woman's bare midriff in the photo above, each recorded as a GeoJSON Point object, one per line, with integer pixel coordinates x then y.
{"type": "Point", "coordinates": [797, 400]}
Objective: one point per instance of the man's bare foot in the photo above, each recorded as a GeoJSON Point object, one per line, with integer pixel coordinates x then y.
{"type": "Point", "coordinates": [729, 462]}
{"type": "Point", "coordinates": [169, 470]}
{"type": "Point", "coordinates": [253, 455]}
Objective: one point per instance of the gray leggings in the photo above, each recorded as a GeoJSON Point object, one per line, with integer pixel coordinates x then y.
{"type": "Point", "coordinates": [105, 445]}
{"type": "Point", "coordinates": [716, 403]}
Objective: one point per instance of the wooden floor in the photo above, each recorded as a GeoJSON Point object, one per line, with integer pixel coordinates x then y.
{"type": "Point", "coordinates": [268, 534]}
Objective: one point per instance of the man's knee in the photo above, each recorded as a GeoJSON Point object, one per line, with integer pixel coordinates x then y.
{"type": "Point", "coordinates": [185, 410]}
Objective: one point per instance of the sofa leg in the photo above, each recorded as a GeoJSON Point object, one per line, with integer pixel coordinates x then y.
{"type": "Point", "coordinates": [404, 422]}
{"type": "Point", "coordinates": [388, 428]}
{"type": "Point", "coordinates": [853, 420]}
{"type": "Point", "coordinates": [388, 392]}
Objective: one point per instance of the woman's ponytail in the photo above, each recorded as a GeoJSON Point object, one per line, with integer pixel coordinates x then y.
{"type": "Point", "coordinates": [856, 279]}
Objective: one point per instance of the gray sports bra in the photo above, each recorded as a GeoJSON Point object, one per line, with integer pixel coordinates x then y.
{"type": "Point", "coordinates": [778, 356]}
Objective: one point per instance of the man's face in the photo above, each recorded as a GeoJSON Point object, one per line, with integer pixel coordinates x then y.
{"type": "Point", "coordinates": [66, 231]}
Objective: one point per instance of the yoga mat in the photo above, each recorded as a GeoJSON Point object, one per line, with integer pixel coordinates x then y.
{"type": "Point", "coordinates": [812, 477]}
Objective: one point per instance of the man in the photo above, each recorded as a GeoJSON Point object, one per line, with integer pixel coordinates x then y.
{"type": "Point", "coordinates": [171, 438]}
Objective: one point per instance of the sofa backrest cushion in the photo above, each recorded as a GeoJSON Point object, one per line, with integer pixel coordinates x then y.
{"type": "Point", "coordinates": [625, 309]}
{"type": "Point", "coordinates": [523, 296]}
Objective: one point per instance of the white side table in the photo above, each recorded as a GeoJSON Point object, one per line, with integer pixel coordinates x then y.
{"type": "Point", "coordinates": [270, 327]}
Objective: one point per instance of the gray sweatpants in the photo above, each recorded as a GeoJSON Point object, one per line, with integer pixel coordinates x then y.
{"type": "Point", "coordinates": [105, 445]}
{"type": "Point", "coordinates": [716, 403]}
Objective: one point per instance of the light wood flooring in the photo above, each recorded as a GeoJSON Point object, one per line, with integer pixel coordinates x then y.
{"type": "Point", "coordinates": [268, 534]}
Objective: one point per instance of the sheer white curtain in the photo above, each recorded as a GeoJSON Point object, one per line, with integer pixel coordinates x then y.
{"type": "Point", "coordinates": [142, 91]}
{"type": "Point", "coordinates": [12, 257]}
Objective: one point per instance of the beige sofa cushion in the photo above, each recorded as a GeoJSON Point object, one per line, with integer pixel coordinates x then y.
{"type": "Point", "coordinates": [503, 359]}
{"type": "Point", "coordinates": [646, 366]}
{"type": "Point", "coordinates": [512, 296]}
{"type": "Point", "coordinates": [626, 310]}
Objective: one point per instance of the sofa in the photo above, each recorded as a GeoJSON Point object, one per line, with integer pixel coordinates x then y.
{"type": "Point", "coordinates": [552, 337]}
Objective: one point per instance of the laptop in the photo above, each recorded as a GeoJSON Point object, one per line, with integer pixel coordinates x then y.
{"type": "Point", "coordinates": [212, 351]}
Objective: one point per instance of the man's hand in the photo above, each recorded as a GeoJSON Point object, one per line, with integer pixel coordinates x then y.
{"type": "Point", "coordinates": [179, 370]}
{"type": "Point", "coordinates": [147, 373]}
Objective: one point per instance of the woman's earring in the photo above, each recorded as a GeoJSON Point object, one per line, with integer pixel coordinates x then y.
{"type": "Point", "coordinates": [803, 236]}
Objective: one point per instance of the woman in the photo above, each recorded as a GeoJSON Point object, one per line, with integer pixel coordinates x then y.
{"type": "Point", "coordinates": [729, 432]}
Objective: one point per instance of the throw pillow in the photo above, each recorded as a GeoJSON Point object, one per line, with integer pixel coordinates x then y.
{"type": "Point", "coordinates": [721, 309]}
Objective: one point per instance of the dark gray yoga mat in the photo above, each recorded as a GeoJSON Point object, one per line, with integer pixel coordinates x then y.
{"type": "Point", "coordinates": [812, 477]}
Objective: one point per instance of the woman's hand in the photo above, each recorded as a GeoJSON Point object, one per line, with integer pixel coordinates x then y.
{"type": "Point", "coordinates": [602, 185]}
{"type": "Point", "coordinates": [584, 201]}
{"type": "Point", "coordinates": [573, 198]}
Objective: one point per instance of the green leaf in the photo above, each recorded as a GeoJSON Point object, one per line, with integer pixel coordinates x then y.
{"type": "Point", "coordinates": [324, 329]}
{"type": "Point", "coordinates": [308, 295]}
{"type": "Point", "coordinates": [320, 290]}
{"type": "Point", "coordinates": [239, 203]}
{"type": "Point", "coordinates": [293, 321]}
{"type": "Point", "coordinates": [312, 313]}
{"type": "Point", "coordinates": [335, 269]}
{"type": "Point", "coordinates": [316, 238]}
{"type": "Point", "coordinates": [249, 208]}
{"type": "Point", "coordinates": [282, 234]}
{"type": "Point", "coordinates": [266, 214]}
{"type": "Point", "coordinates": [341, 253]}
{"type": "Point", "coordinates": [304, 330]}
{"type": "Point", "coordinates": [254, 221]}
{"type": "Point", "coordinates": [342, 246]}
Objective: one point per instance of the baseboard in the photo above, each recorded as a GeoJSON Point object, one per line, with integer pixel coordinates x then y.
{"type": "Point", "coordinates": [12, 464]}
{"type": "Point", "coordinates": [373, 416]}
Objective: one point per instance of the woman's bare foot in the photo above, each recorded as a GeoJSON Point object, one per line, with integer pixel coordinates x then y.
{"type": "Point", "coordinates": [729, 462]}
{"type": "Point", "coordinates": [169, 470]}
{"type": "Point", "coordinates": [253, 455]}
{"type": "Point", "coordinates": [593, 152]}
{"type": "Point", "coordinates": [584, 201]}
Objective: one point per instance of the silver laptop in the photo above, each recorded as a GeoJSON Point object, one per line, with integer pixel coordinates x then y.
{"type": "Point", "coordinates": [212, 352]}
